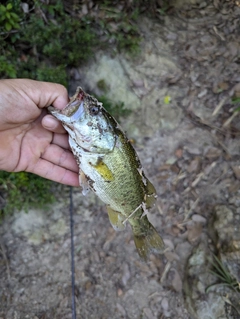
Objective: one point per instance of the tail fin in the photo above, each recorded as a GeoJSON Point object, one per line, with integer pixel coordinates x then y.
{"type": "Point", "coordinates": [148, 242]}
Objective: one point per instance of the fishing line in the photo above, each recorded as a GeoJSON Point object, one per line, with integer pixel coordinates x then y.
{"type": "Point", "coordinates": [72, 254]}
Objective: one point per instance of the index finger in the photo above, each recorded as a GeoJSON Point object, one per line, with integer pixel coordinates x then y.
{"type": "Point", "coordinates": [43, 94]}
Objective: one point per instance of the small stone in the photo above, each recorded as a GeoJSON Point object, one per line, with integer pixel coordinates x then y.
{"type": "Point", "coordinates": [171, 160]}
{"type": "Point", "coordinates": [119, 292]}
{"type": "Point", "coordinates": [165, 304]}
{"type": "Point", "coordinates": [202, 93]}
{"type": "Point", "coordinates": [193, 150]}
{"type": "Point", "coordinates": [199, 219]}
{"type": "Point", "coordinates": [177, 282]}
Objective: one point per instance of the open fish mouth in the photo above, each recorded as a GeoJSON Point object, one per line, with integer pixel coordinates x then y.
{"type": "Point", "coordinates": [73, 112]}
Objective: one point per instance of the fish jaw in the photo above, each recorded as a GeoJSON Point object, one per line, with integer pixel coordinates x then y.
{"type": "Point", "coordinates": [87, 123]}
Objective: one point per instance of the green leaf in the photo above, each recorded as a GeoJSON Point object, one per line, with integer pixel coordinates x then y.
{"type": "Point", "coordinates": [15, 16]}
{"type": "Point", "coordinates": [16, 26]}
{"type": "Point", "coordinates": [2, 8]}
{"type": "Point", "coordinates": [9, 6]}
{"type": "Point", "coordinates": [12, 74]}
{"type": "Point", "coordinates": [8, 26]}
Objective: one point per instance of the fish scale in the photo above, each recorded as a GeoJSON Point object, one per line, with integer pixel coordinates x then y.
{"type": "Point", "coordinates": [110, 167]}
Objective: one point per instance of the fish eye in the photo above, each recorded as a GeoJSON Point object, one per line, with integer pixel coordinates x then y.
{"type": "Point", "coordinates": [94, 110]}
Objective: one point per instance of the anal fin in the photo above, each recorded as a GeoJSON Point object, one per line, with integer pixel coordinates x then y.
{"type": "Point", "coordinates": [116, 219]}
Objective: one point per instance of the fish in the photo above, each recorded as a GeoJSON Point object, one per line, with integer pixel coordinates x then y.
{"type": "Point", "coordinates": [110, 167]}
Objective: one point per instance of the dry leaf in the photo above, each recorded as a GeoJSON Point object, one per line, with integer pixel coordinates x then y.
{"type": "Point", "coordinates": [194, 232]}
{"type": "Point", "coordinates": [177, 281]}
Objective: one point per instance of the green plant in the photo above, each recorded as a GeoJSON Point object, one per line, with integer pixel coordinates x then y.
{"type": "Point", "coordinates": [7, 68]}
{"type": "Point", "coordinates": [8, 19]}
{"type": "Point", "coordinates": [48, 41]}
{"type": "Point", "coordinates": [61, 39]}
{"type": "Point", "coordinates": [24, 190]}
{"type": "Point", "coordinates": [52, 74]}
{"type": "Point", "coordinates": [221, 272]}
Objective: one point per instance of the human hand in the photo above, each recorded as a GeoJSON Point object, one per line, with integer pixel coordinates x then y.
{"type": "Point", "coordinates": [30, 139]}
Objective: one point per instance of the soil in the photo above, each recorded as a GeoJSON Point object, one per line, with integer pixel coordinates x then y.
{"type": "Point", "coordinates": [185, 128]}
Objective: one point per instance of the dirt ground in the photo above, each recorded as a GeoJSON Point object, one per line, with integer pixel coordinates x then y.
{"type": "Point", "coordinates": [181, 88]}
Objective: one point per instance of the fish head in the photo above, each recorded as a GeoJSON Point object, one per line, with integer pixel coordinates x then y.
{"type": "Point", "coordinates": [88, 124]}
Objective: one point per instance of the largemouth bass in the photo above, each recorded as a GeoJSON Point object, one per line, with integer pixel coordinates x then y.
{"type": "Point", "coordinates": [110, 167]}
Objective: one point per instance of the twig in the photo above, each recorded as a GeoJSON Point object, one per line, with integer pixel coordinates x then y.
{"type": "Point", "coordinates": [228, 121]}
{"type": "Point", "coordinates": [180, 176]}
{"type": "Point", "coordinates": [165, 271]}
{"type": "Point", "coordinates": [218, 33]}
{"type": "Point", "coordinates": [199, 178]}
{"type": "Point", "coordinates": [219, 106]}
{"type": "Point", "coordinates": [160, 210]}
{"type": "Point", "coordinates": [190, 210]}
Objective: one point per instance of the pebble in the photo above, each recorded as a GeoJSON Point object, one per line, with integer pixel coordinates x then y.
{"type": "Point", "coordinates": [199, 219]}
{"type": "Point", "coordinates": [202, 93]}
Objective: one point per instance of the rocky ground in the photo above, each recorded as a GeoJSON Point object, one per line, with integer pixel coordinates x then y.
{"type": "Point", "coordinates": [181, 89]}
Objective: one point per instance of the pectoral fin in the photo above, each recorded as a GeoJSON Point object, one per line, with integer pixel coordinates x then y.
{"type": "Point", "coordinates": [83, 183]}
{"type": "Point", "coordinates": [103, 170]}
{"type": "Point", "coordinates": [116, 219]}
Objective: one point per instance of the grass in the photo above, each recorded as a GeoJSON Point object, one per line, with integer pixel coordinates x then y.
{"type": "Point", "coordinates": [224, 276]}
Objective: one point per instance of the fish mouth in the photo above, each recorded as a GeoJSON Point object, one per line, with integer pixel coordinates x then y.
{"type": "Point", "coordinates": [73, 112]}
{"type": "Point", "coordinates": [78, 111]}
{"type": "Point", "coordinates": [74, 109]}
